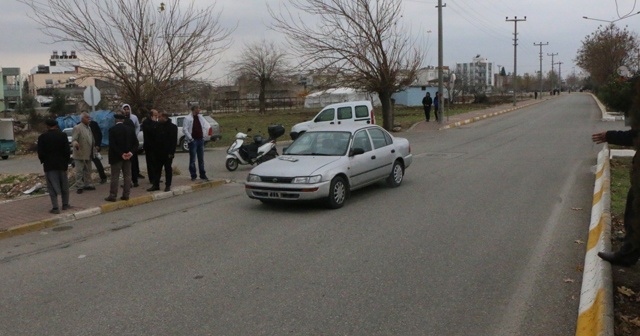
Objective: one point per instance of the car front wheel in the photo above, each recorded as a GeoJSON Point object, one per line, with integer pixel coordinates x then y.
{"type": "Point", "coordinates": [397, 174]}
{"type": "Point", "coordinates": [184, 145]}
{"type": "Point", "coordinates": [337, 193]}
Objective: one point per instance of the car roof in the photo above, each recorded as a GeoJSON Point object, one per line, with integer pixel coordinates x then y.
{"type": "Point", "coordinates": [350, 127]}
{"type": "Point", "coordinates": [350, 103]}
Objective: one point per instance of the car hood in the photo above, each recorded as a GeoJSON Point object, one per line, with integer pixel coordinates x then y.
{"type": "Point", "coordinates": [294, 165]}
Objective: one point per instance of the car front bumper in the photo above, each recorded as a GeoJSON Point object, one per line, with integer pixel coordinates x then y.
{"type": "Point", "coordinates": [287, 192]}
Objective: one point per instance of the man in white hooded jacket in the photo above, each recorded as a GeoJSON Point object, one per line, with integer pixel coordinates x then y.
{"type": "Point", "coordinates": [132, 121]}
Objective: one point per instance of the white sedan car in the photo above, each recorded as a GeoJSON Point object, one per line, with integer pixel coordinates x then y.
{"type": "Point", "coordinates": [328, 162]}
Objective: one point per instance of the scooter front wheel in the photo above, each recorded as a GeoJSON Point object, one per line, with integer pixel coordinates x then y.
{"type": "Point", "coordinates": [231, 164]}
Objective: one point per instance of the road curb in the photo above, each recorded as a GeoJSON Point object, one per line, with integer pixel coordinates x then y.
{"type": "Point", "coordinates": [489, 115]}
{"type": "Point", "coordinates": [606, 116]}
{"type": "Point", "coordinates": [107, 207]}
{"type": "Point", "coordinates": [595, 314]}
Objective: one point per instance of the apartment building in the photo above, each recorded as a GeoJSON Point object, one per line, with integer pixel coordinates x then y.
{"type": "Point", "coordinates": [477, 74]}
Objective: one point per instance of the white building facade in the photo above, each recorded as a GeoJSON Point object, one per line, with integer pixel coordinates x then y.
{"type": "Point", "coordinates": [477, 75]}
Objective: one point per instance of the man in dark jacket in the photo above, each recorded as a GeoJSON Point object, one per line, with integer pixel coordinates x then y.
{"type": "Point", "coordinates": [165, 149]}
{"type": "Point", "coordinates": [97, 136]}
{"type": "Point", "coordinates": [122, 143]}
{"type": "Point", "coordinates": [149, 126]}
{"type": "Point", "coordinates": [630, 251]}
{"type": "Point", "coordinates": [54, 153]}
{"type": "Point", "coordinates": [426, 104]}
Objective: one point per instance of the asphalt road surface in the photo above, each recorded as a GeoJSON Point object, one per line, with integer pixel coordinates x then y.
{"type": "Point", "coordinates": [479, 240]}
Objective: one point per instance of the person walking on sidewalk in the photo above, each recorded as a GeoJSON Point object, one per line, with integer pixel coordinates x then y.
{"type": "Point", "coordinates": [132, 120]}
{"type": "Point", "coordinates": [83, 152]}
{"type": "Point", "coordinates": [194, 129]}
{"type": "Point", "coordinates": [53, 153]}
{"type": "Point", "coordinates": [426, 104]}
{"type": "Point", "coordinates": [149, 127]}
{"type": "Point", "coordinates": [629, 253]}
{"type": "Point", "coordinates": [436, 105]}
{"type": "Point", "coordinates": [97, 159]}
{"type": "Point", "coordinates": [122, 143]}
{"type": "Point", "coordinates": [165, 149]}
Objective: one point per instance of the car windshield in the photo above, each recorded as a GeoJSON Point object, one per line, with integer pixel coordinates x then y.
{"type": "Point", "coordinates": [329, 143]}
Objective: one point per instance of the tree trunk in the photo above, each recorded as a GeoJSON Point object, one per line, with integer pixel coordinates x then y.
{"type": "Point", "coordinates": [261, 98]}
{"type": "Point", "coordinates": [387, 110]}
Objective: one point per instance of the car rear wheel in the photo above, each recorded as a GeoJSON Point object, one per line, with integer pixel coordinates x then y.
{"type": "Point", "coordinates": [397, 175]}
{"type": "Point", "coordinates": [184, 145]}
{"type": "Point", "coordinates": [231, 164]}
{"type": "Point", "coordinates": [337, 193]}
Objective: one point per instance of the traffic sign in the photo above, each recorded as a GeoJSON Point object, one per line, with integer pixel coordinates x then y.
{"type": "Point", "coordinates": [92, 96]}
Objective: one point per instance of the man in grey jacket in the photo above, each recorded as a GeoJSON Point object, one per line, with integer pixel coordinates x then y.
{"type": "Point", "coordinates": [83, 152]}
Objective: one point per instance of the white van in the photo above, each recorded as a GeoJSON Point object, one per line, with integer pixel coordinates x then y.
{"type": "Point", "coordinates": [336, 114]}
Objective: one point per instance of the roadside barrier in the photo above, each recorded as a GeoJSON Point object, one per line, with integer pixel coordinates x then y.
{"type": "Point", "coordinates": [596, 297]}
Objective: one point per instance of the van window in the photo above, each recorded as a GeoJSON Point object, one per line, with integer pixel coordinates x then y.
{"type": "Point", "coordinates": [326, 115]}
{"type": "Point", "coordinates": [362, 111]}
{"type": "Point", "coordinates": [345, 113]}
{"type": "Point", "coordinates": [180, 121]}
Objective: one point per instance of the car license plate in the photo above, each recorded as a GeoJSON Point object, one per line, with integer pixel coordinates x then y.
{"type": "Point", "coordinates": [273, 194]}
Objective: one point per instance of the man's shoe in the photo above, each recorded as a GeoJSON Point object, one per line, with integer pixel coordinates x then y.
{"type": "Point", "coordinates": [193, 178]}
{"type": "Point", "coordinates": [204, 178]}
{"type": "Point", "coordinates": [55, 211]}
{"type": "Point", "coordinates": [140, 176]}
{"type": "Point", "coordinates": [110, 199]}
{"type": "Point", "coordinates": [124, 198]}
{"type": "Point", "coordinates": [135, 184]}
{"type": "Point", "coordinates": [89, 188]}
{"type": "Point", "coordinates": [66, 207]}
{"type": "Point", "coordinates": [621, 259]}
{"type": "Point", "coordinates": [103, 181]}
{"type": "Point", "coordinates": [79, 191]}
{"type": "Point", "coordinates": [154, 188]}
{"type": "Point", "coordinates": [167, 189]}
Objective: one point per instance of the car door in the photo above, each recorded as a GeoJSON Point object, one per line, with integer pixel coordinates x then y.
{"type": "Point", "coordinates": [362, 168]}
{"type": "Point", "coordinates": [383, 150]}
{"type": "Point", "coordinates": [326, 117]}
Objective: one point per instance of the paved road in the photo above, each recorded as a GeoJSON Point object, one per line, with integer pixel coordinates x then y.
{"type": "Point", "coordinates": [479, 240]}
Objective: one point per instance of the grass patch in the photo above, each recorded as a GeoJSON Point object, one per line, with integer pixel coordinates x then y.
{"type": "Point", "coordinates": [232, 123]}
{"type": "Point", "coordinates": [620, 184]}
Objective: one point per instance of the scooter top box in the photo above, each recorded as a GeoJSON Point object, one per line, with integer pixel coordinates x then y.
{"type": "Point", "coordinates": [275, 131]}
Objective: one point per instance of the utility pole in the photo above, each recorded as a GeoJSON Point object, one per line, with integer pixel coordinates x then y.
{"type": "Point", "coordinates": [515, 53]}
{"type": "Point", "coordinates": [440, 94]}
{"type": "Point", "coordinates": [552, 64]}
{"type": "Point", "coordinates": [559, 76]}
{"type": "Point", "coordinates": [540, 73]}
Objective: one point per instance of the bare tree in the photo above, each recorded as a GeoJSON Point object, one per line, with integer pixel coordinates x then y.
{"type": "Point", "coordinates": [262, 63]}
{"type": "Point", "coordinates": [149, 52]}
{"type": "Point", "coordinates": [360, 39]}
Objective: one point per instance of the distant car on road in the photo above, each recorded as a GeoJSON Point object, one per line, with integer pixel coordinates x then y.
{"type": "Point", "coordinates": [328, 162]}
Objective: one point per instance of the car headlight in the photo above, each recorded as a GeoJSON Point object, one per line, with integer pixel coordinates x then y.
{"type": "Point", "coordinates": [307, 179]}
{"type": "Point", "coordinates": [254, 178]}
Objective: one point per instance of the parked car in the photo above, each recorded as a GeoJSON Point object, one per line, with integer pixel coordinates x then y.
{"type": "Point", "coordinates": [328, 162]}
{"type": "Point", "coordinates": [359, 112]}
{"type": "Point", "coordinates": [215, 132]}
{"type": "Point", "coordinates": [8, 144]}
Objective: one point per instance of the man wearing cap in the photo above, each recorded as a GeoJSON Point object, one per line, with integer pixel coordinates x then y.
{"type": "Point", "coordinates": [194, 128]}
{"type": "Point", "coordinates": [122, 143]}
{"type": "Point", "coordinates": [83, 152]}
{"type": "Point", "coordinates": [53, 153]}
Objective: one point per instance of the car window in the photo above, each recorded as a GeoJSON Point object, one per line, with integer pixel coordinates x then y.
{"type": "Point", "coordinates": [320, 143]}
{"type": "Point", "coordinates": [326, 115]}
{"type": "Point", "coordinates": [345, 113]}
{"type": "Point", "coordinates": [378, 138]}
{"type": "Point", "coordinates": [361, 140]}
{"type": "Point", "coordinates": [180, 121]}
{"type": "Point", "coordinates": [362, 111]}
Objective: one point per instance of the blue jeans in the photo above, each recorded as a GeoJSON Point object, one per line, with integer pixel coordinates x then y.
{"type": "Point", "coordinates": [196, 148]}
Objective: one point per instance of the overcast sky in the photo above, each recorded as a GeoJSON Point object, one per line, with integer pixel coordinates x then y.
{"type": "Point", "coordinates": [471, 27]}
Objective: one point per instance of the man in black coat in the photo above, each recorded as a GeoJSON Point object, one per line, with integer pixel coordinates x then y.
{"type": "Point", "coordinates": [149, 126]}
{"type": "Point", "coordinates": [165, 149]}
{"type": "Point", "coordinates": [97, 137]}
{"type": "Point", "coordinates": [54, 153]}
{"type": "Point", "coordinates": [122, 143]}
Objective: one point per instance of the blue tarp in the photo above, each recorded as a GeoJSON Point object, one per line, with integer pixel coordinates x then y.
{"type": "Point", "coordinates": [104, 119]}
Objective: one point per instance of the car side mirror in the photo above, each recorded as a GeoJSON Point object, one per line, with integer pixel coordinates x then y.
{"type": "Point", "coordinates": [356, 151]}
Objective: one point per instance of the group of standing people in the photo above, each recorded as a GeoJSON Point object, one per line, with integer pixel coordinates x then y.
{"type": "Point", "coordinates": [427, 101]}
{"type": "Point", "coordinates": [55, 153]}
